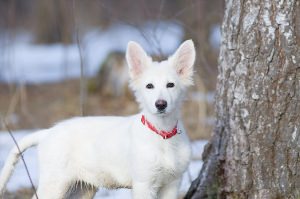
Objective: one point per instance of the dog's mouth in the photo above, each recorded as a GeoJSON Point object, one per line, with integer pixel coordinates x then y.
{"type": "Point", "coordinates": [161, 112]}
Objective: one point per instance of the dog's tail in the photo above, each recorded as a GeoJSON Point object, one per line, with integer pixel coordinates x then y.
{"type": "Point", "coordinates": [14, 155]}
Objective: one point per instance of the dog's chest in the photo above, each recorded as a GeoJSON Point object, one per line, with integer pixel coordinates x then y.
{"type": "Point", "coordinates": [172, 161]}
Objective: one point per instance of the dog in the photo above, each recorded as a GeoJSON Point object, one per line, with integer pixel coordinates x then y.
{"type": "Point", "coordinates": [147, 152]}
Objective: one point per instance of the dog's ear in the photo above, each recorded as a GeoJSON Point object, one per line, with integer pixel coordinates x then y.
{"type": "Point", "coordinates": [183, 61]}
{"type": "Point", "coordinates": [136, 58]}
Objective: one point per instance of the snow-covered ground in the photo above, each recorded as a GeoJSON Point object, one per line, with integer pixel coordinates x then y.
{"type": "Point", "coordinates": [20, 179]}
{"type": "Point", "coordinates": [22, 61]}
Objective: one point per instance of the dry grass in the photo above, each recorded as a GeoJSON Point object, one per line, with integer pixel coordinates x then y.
{"type": "Point", "coordinates": [24, 193]}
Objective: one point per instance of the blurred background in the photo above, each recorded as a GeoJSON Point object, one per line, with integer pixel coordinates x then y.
{"type": "Point", "coordinates": [65, 58]}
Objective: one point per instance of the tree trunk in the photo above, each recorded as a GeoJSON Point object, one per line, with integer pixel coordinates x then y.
{"type": "Point", "coordinates": [255, 148]}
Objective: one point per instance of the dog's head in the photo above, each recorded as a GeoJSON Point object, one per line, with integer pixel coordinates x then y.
{"type": "Point", "coordinates": [159, 86]}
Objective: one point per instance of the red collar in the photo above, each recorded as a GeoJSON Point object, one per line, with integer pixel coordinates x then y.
{"type": "Point", "coordinates": [164, 134]}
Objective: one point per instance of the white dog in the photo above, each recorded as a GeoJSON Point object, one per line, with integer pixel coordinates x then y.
{"type": "Point", "coordinates": [147, 152]}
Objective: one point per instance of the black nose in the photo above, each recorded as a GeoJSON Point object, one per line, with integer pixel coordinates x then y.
{"type": "Point", "coordinates": [161, 105]}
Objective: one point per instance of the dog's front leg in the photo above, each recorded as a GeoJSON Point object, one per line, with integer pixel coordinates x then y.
{"type": "Point", "coordinates": [170, 191]}
{"type": "Point", "coordinates": [144, 190]}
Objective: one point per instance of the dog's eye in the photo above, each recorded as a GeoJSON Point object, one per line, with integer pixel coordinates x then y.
{"type": "Point", "coordinates": [149, 86]}
{"type": "Point", "coordinates": [170, 85]}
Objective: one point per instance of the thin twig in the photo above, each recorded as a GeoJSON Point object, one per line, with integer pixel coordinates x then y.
{"type": "Point", "coordinates": [82, 74]}
{"type": "Point", "coordinates": [22, 157]}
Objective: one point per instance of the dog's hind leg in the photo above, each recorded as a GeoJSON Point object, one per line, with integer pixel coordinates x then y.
{"type": "Point", "coordinates": [81, 190]}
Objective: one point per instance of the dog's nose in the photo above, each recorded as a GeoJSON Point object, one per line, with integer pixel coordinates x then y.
{"type": "Point", "coordinates": [161, 104]}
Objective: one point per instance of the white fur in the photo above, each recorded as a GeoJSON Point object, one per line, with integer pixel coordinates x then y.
{"type": "Point", "coordinates": [117, 152]}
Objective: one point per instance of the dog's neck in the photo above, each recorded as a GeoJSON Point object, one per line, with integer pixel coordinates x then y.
{"type": "Point", "coordinates": [163, 122]}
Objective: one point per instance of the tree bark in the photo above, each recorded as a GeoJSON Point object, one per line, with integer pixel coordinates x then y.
{"type": "Point", "coordinates": [255, 149]}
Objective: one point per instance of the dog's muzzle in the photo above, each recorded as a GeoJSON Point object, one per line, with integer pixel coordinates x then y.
{"type": "Point", "coordinates": [161, 105]}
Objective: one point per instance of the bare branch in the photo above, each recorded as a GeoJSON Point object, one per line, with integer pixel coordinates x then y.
{"type": "Point", "coordinates": [82, 72]}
